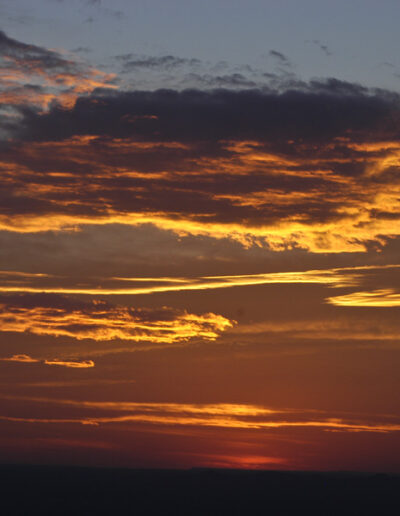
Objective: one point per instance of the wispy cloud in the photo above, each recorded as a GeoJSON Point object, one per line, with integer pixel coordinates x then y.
{"type": "Point", "coordinates": [37, 76]}
{"type": "Point", "coordinates": [26, 359]}
{"type": "Point", "coordinates": [382, 298]}
{"type": "Point", "coordinates": [280, 58]}
{"type": "Point", "coordinates": [335, 277]}
{"type": "Point", "coordinates": [132, 62]}
{"type": "Point", "coordinates": [20, 358]}
{"type": "Point", "coordinates": [338, 330]}
{"type": "Point", "coordinates": [322, 46]}
{"type": "Point", "coordinates": [85, 364]}
{"type": "Point", "coordinates": [221, 415]}
{"type": "Point", "coordinates": [98, 320]}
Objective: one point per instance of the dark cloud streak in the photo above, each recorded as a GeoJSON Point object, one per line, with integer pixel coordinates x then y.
{"type": "Point", "coordinates": [323, 111]}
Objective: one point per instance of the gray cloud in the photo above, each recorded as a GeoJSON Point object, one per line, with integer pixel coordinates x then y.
{"type": "Point", "coordinates": [280, 58]}
{"type": "Point", "coordinates": [167, 62]}
{"type": "Point", "coordinates": [31, 56]}
{"type": "Point", "coordinates": [322, 46]}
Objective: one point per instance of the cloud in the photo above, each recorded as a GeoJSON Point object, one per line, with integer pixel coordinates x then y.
{"type": "Point", "coordinates": [236, 164]}
{"type": "Point", "coordinates": [36, 76]}
{"type": "Point", "coordinates": [317, 210]}
{"type": "Point", "coordinates": [220, 415]}
{"type": "Point", "coordinates": [83, 50]}
{"type": "Point", "coordinates": [339, 277]}
{"type": "Point", "coordinates": [319, 112]}
{"type": "Point", "coordinates": [336, 277]}
{"type": "Point", "coordinates": [26, 359]}
{"type": "Point", "coordinates": [9, 275]}
{"type": "Point", "coordinates": [338, 330]}
{"type": "Point", "coordinates": [44, 314]}
{"type": "Point", "coordinates": [322, 46]}
{"type": "Point", "coordinates": [20, 358]}
{"type": "Point", "coordinates": [35, 58]}
{"type": "Point", "coordinates": [231, 80]}
{"type": "Point", "coordinates": [279, 57]}
{"type": "Point", "coordinates": [311, 166]}
{"type": "Point", "coordinates": [166, 62]}
{"type": "Point", "coordinates": [73, 364]}
{"type": "Point", "coordinates": [383, 298]}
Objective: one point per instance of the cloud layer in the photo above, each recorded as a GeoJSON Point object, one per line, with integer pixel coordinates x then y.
{"type": "Point", "coordinates": [313, 166]}
{"type": "Point", "coordinates": [15, 281]}
{"type": "Point", "coordinates": [221, 415]}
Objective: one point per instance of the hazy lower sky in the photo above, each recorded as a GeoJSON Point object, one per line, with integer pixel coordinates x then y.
{"type": "Point", "coordinates": [199, 234]}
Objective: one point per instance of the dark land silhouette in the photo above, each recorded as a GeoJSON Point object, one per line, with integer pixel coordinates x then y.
{"type": "Point", "coordinates": [28, 490]}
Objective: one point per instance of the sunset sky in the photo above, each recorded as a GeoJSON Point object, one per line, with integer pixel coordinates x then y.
{"type": "Point", "coordinates": [200, 233]}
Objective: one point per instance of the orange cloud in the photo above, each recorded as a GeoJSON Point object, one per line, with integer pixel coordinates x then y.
{"type": "Point", "coordinates": [101, 321]}
{"type": "Point", "coordinates": [335, 277]}
{"type": "Point", "coordinates": [75, 365]}
{"type": "Point", "coordinates": [20, 358]}
{"type": "Point", "coordinates": [296, 202]}
{"type": "Point", "coordinates": [36, 76]}
{"type": "Point", "coordinates": [271, 177]}
{"type": "Point", "coordinates": [328, 329]}
{"type": "Point", "coordinates": [29, 360]}
{"type": "Point", "coordinates": [244, 416]}
{"type": "Point", "coordinates": [383, 298]}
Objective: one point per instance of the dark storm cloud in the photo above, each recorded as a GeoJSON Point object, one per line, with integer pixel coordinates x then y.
{"type": "Point", "coordinates": [322, 111]}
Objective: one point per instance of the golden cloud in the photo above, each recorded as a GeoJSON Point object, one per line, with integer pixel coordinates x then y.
{"type": "Point", "coordinates": [221, 415]}
{"type": "Point", "coordinates": [336, 277]}
{"type": "Point", "coordinates": [101, 321]}
{"type": "Point", "coordinates": [20, 358]}
{"type": "Point", "coordinates": [26, 359]}
{"type": "Point", "coordinates": [383, 298]}
{"type": "Point", "coordinates": [296, 202]}
{"type": "Point", "coordinates": [85, 364]}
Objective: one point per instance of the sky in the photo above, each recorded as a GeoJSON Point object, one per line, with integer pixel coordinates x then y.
{"type": "Point", "coordinates": [199, 234]}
